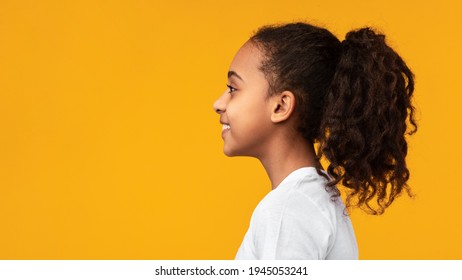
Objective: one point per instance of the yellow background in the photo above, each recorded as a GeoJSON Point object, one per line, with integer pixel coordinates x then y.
{"type": "Point", "coordinates": [110, 149]}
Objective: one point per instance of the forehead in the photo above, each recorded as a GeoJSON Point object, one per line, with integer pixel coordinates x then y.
{"type": "Point", "coordinates": [247, 61]}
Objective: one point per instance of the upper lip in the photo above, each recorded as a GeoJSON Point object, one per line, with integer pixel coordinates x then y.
{"type": "Point", "coordinates": [222, 122]}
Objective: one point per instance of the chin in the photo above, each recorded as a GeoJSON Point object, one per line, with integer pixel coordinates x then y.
{"type": "Point", "coordinates": [231, 152]}
{"type": "Point", "coordinates": [234, 153]}
{"type": "Point", "coordinates": [228, 153]}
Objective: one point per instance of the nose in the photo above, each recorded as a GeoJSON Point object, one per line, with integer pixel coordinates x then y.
{"type": "Point", "coordinates": [219, 105]}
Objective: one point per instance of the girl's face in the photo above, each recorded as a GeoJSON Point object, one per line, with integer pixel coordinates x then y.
{"type": "Point", "coordinates": [244, 108]}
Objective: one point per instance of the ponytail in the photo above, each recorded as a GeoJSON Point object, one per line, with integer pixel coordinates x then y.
{"type": "Point", "coordinates": [353, 98]}
{"type": "Point", "coordinates": [364, 122]}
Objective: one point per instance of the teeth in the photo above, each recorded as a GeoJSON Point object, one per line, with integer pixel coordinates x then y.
{"type": "Point", "coordinates": [226, 126]}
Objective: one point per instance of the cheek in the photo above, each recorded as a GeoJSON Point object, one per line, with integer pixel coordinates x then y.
{"type": "Point", "coordinates": [247, 115]}
{"type": "Point", "coordinates": [248, 121]}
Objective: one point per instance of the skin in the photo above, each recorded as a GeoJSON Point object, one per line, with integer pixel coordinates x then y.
{"type": "Point", "coordinates": [262, 126]}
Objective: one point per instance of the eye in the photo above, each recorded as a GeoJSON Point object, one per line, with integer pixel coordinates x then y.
{"type": "Point", "coordinates": [231, 89]}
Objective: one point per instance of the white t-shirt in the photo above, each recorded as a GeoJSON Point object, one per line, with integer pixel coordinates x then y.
{"type": "Point", "coordinates": [298, 220]}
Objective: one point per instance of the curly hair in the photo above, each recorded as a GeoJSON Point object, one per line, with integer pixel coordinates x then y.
{"type": "Point", "coordinates": [353, 98]}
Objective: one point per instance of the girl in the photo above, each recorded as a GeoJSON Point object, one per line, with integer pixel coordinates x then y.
{"type": "Point", "coordinates": [294, 85]}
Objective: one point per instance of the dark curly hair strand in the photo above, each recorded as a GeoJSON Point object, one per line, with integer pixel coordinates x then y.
{"type": "Point", "coordinates": [354, 99]}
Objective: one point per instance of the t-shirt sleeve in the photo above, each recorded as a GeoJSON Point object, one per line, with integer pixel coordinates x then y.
{"type": "Point", "coordinates": [291, 226]}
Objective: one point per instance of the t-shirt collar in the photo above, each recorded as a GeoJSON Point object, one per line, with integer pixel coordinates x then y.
{"type": "Point", "coordinates": [295, 175]}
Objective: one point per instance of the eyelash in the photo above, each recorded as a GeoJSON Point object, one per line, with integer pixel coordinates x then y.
{"type": "Point", "coordinates": [231, 89]}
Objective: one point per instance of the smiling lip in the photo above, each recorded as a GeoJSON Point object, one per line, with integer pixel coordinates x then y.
{"type": "Point", "coordinates": [224, 130]}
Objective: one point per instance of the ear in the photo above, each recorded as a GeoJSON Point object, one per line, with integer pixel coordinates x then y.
{"type": "Point", "coordinates": [283, 105]}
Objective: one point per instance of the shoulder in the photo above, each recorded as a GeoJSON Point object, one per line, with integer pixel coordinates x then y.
{"type": "Point", "coordinates": [305, 197]}
{"type": "Point", "coordinates": [295, 221]}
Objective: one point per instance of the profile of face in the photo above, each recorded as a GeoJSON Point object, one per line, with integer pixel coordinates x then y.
{"type": "Point", "coordinates": [245, 109]}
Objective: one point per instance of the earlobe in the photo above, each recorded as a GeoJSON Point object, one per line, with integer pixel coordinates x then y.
{"type": "Point", "coordinates": [283, 106]}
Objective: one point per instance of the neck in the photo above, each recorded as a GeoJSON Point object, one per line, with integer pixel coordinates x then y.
{"type": "Point", "coordinates": [289, 156]}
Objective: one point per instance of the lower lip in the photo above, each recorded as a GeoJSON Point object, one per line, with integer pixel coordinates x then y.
{"type": "Point", "coordinates": [224, 132]}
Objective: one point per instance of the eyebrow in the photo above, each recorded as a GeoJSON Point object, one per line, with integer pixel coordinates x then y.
{"type": "Point", "coordinates": [233, 73]}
